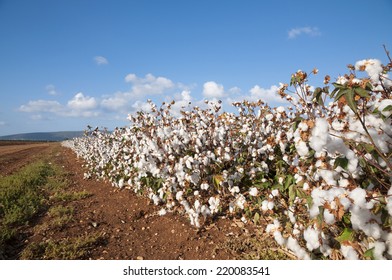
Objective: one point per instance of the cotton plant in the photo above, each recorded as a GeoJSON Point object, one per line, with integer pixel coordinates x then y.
{"type": "Point", "coordinates": [318, 172]}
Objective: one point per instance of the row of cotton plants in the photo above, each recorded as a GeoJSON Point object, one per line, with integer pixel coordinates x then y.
{"type": "Point", "coordinates": [317, 173]}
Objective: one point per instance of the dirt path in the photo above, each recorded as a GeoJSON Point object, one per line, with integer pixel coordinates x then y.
{"type": "Point", "coordinates": [129, 224]}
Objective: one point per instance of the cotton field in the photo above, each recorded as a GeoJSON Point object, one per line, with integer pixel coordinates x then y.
{"type": "Point", "coordinates": [318, 173]}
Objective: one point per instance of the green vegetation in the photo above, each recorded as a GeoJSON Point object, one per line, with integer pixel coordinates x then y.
{"type": "Point", "coordinates": [22, 196]}
{"type": "Point", "coordinates": [67, 249]}
{"type": "Point", "coordinates": [36, 190]}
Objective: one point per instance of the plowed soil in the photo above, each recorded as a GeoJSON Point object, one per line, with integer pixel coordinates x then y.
{"type": "Point", "coordinates": [128, 223]}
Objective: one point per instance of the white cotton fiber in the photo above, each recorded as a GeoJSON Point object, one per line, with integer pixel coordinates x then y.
{"type": "Point", "coordinates": [349, 253]}
{"type": "Point", "coordinates": [329, 218]}
{"type": "Point", "coordinates": [311, 236]}
{"type": "Point", "coordinates": [319, 138]}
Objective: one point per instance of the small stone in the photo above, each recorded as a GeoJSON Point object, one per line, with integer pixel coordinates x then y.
{"type": "Point", "coordinates": [139, 258]}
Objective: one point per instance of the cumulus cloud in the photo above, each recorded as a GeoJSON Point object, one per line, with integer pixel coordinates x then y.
{"type": "Point", "coordinates": [311, 31]}
{"type": "Point", "coordinates": [212, 90]}
{"type": "Point", "coordinates": [116, 102]}
{"type": "Point", "coordinates": [149, 84]}
{"type": "Point", "coordinates": [100, 60]}
{"type": "Point", "coordinates": [80, 102]}
{"type": "Point", "coordinates": [256, 93]}
{"type": "Point", "coordinates": [78, 106]}
{"type": "Point", "coordinates": [41, 106]}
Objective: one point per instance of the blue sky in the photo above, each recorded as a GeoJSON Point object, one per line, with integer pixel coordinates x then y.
{"type": "Point", "coordinates": [67, 64]}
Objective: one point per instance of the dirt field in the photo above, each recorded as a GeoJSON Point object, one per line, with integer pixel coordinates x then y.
{"type": "Point", "coordinates": [128, 223]}
{"type": "Point", "coordinates": [14, 155]}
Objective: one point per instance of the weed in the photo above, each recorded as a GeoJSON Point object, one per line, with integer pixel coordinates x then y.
{"type": "Point", "coordinates": [67, 249]}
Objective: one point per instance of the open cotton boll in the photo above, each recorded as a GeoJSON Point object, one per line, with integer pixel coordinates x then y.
{"type": "Point", "coordinates": [302, 148]}
{"type": "Point", "coordinates": [292, 244]}
{"type": "Point", "coordinates": [264, 205]}
{"type": "Point", "coordinates": [272, 227]}
{"type": "Point", "coordinates": [162, 212]}
{"type": "Point", "coordinates": [253, 191]}
{"type": "Point", "coordinates": [329, 218]}
{"type": "Point", "coordinates": [359, 197]}
{"type": "Point", "coordinates": [319, 138]}
{"type": "Point", "coordinates": [349, 253]}
{"type": "Point", "coordinates": [279, 238]}
{"type": "Point", "coordinates": [373, 68]}
{"type": "Point", "coordinates": [379, 249]}
{"type": "Point", "coordinates": [311, 236]}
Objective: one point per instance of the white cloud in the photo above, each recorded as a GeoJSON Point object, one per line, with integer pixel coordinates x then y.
{"type": "Point", "coordinates": [81, 102]}
{"type": "Point", "coordinates": [117, 102]}
{"type": "Point", "coordinates": [100, 60]}
{"type": "Point", "coordinates": [256, 93]}
{"type": "Point", "coordinates": [51, 89]}
{"type": "Point", "coordinates": [41, 106]}
{"type": "Point", "coordinates": [311, 31]}
{"type": "Point", "coordinates": [213, 90]}
{"type": "Point", "coordinates": [78, 106]}
{"type": "Point", "coordinates": [149, 84]}
{"type": "Point", "coordinates": [2, 123]}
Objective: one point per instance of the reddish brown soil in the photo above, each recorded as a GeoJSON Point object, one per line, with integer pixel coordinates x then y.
{"type": "Point", "coordinates": [129, 223]}
{"type": "Point", "coordinates": [13, 157]}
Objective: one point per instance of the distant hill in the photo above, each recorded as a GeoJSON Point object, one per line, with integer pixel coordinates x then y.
{"type": "Point", "coordinates": [44, 136]}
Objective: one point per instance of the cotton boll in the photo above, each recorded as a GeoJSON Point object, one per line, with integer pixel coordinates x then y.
{"type": "Point", "coordinates": [291, 215]}
{"type": "Point", "coordinates": [302, 148]}
{"type": "Point", "coordinates": [179, 195]}
{"type": "Point", "coordinates": [359, 197]}
{"type": "Point", "coordinates": [328, 176]}
{"type": "Point", "coordinates": [264, 205]}
{"type": "Point", "coordinates": [162, 212]}
{"type": "Point", "coordinates": [253, 191]}
{"type": "Point", "coordinates": [275, 192]}
{"type": "Point", "coordinates": [311, 236]}
{"type": "Point", "coordinates": [319, 138]}
{"type": "Point", "coordinates": [270, 205]}
{"type": "Point", "coordinates": [329, 218]}
{"type": "Point", "coordinates": [204, 186]}
{"type": "Point", "coordinates": [348, 252]}
{"type": "Point", "coordinates": [279, 238]}
{"type": "Point", "coordinates": [303, 126]}
{"type": "Point", "coordinates": [292, 244]}
{"type": "Point", "coordinates": [379, 249]}
{"type": "Point", "coordinates": [214, 204]}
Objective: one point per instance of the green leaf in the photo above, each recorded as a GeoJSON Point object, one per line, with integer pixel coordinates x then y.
{"type": "Point", "coordinates": [349, 94]}
{"type": "Point", "coordinates": [292, 194]}
{"type": "Point", "coordinates": [342, 162]}
{"type": "Point", "coordinates": [347, 235]}
{"type": "Point", "coordinates": [387, 108]}
{"type": "Point", "coordinates": [362, 92]}
{"type": "Point", "coordinates": [317, 95]}
{"type": "Point", "coordinates": [369, 254]}
{"type": "Point", "coordinates": [256, 218]}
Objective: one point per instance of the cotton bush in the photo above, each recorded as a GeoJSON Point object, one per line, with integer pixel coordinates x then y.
{"type": "Point", "coordinates": [318, 172]}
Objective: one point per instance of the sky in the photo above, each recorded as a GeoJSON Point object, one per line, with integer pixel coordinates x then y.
{"type": "Point", "coordinates": [66, 64]}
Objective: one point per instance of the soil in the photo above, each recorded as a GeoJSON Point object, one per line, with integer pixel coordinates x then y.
{"type": "Point", "coordinates": [129, 223]}
{"type": "Point", "coordinates": [15, 156]}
